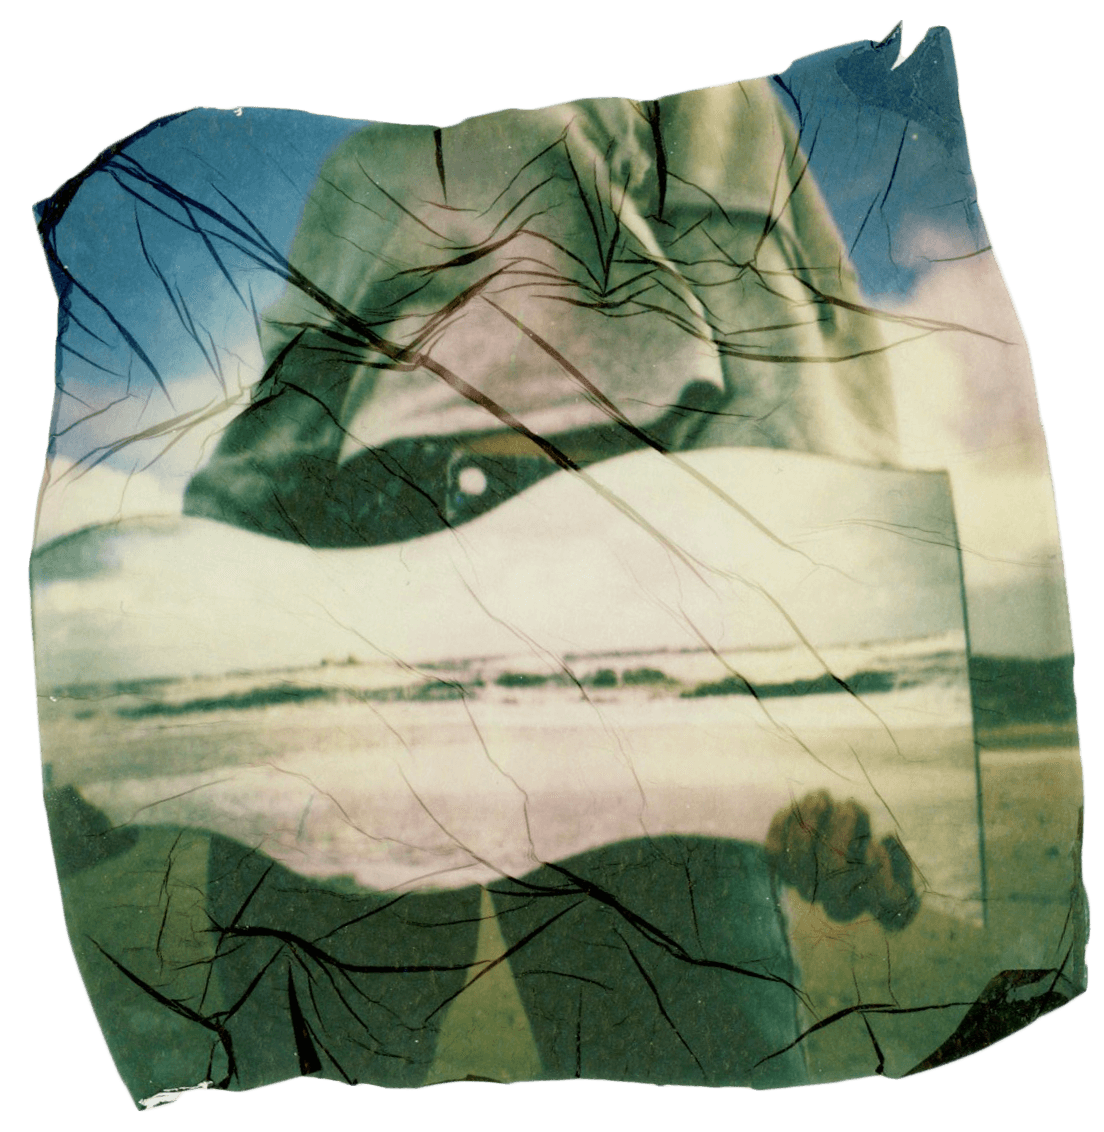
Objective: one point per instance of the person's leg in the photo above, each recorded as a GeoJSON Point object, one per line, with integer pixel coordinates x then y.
{"type": "Point", "coordinates": [661, 960]}
{"type": "Point", "coordinates": [351, 984]}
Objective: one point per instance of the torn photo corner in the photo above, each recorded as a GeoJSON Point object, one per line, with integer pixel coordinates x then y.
{"type": "Point", "coordinates": [574, 593]}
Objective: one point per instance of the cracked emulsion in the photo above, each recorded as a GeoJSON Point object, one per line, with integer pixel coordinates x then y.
{"type": "Point", "coordinates": [530, 599]}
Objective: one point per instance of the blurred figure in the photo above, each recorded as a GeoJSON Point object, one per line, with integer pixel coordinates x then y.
{"type": "Point", "coordinates": [471, 309]}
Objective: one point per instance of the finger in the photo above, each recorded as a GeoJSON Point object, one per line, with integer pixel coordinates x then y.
{"type": "Point", "coordinates": [804, 833]}
{"type": "Point", "coordinates": [778, 834]}
{"type": "Point", "coordinates": [844, 863]}
{"type": "Point", "coordinates": [846, 832]}
{"type": "Point", "coordinates": [894, 898]}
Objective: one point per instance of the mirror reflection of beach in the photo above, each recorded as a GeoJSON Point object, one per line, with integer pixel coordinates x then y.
{"type": "Point", "coordinates": [1032, 794]}
{"type": "Point", "coordinates": [332, 767]}
{"type": "Point", "coordinates": [625, 630]}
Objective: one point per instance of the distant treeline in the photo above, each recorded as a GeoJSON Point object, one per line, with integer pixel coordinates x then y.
{"type": "Point", "coordinates": [234, 701]}
{"type": "Point", "coordinates": [859, 684]}
{"type": "Point", "coordinates": [1007, 691]}
{"type": "Point", "coordinates": [298, 694]}
{"type": "Point", "coordinates": [602, 678]}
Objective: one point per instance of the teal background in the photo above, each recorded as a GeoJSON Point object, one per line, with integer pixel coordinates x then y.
{"type": "Point", "coordinates": [80, 78]}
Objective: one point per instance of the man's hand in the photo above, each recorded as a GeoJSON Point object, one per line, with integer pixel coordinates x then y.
{"type": "Point", "coordinates": [824, 849]}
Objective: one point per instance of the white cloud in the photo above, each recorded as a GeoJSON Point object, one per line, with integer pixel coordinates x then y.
{"type": "Point", "coordinates": [73, 497]}
{"type": "Point", "coordinates": [966, 403]}
{"type": "Point", "coordinates": [147, 476]}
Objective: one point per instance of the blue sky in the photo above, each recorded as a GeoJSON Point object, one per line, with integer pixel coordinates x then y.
{"type": "Point", "coordinates": [888, 149]}
{"type": "Point", "coordinates": [886, 145]}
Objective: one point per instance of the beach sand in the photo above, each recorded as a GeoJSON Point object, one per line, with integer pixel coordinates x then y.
{"type": "Point", "coordinates": [1032, 808]}
{"type": "Point", "coordinates": [1033, 801]}
{"type": "Point", "coordinates": [146, 901]}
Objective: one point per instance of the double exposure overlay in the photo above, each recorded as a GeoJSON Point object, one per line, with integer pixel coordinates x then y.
{"type": "Point", "coordinates": [570, 594]}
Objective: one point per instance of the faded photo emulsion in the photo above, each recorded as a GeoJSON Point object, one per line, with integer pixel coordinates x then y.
{"type": "Point", "coordinates": [574, 593]}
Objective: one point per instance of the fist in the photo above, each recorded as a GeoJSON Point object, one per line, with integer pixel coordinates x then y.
{"type": "Point", "coordinates": [825, 850]}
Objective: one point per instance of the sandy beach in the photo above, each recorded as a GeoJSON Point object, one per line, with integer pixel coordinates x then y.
{"type": "Point", "coordinates": [1033, 800]}
{"type": "Point", "coordinates": [410, 795]}
{"type": "Point", "coordinates": [417, 796]}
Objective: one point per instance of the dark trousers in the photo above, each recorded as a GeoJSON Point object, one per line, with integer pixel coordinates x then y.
{"type": "Point", "coordinates": [662, 960]}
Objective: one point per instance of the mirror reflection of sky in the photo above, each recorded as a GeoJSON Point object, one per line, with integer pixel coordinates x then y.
{"type": "Point", "coordinates": [161, 326]}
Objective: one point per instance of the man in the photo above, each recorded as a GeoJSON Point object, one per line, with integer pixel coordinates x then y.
{"type": "Point", "coordinates": [469, 312]}
{"type": "Point", "coordinates": [540, 290]}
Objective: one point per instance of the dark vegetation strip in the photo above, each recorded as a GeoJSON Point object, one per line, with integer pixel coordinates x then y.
{"type": "Point", "coordinates": [862, 683]}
